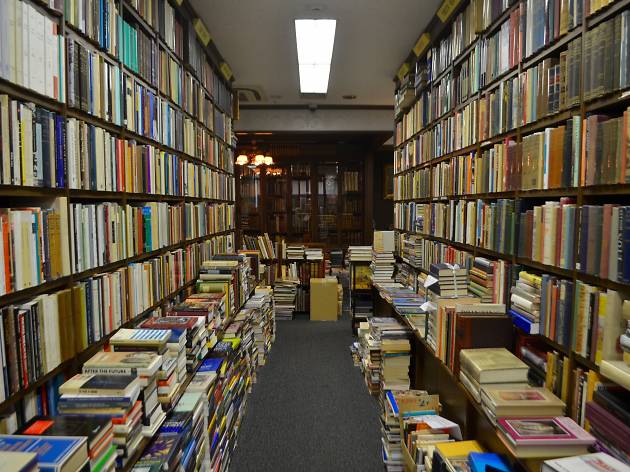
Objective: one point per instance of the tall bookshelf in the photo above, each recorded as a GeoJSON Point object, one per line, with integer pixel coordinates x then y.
{"type": "Point", "coordinates": [147, 148]}
{"type": "Point", "coordinates": [492, 127]}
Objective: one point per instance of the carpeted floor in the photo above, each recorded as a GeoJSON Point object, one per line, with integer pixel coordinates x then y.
{"type": "Point", "coordinates": [310, 409]}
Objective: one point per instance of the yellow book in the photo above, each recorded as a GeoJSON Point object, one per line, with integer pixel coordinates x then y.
{"type": "Point", "coordinates": [456, 453]}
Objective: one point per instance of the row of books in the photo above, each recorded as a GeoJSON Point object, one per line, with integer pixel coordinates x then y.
{"type": "Point", "coordinates": [138, 52]}
{"type": "Point", "coordinates": [99, 21]}
{"type": "Point", "coordinates": [96, 86]}
{"type": "Point", "coordinates": [98, 160]}
{"type": "Point", "coordinates": [263, 244]}
{"type": "Point", "coordinates": [32, 53]}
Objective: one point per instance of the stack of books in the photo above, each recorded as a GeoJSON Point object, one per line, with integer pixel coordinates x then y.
{"type": "Point", "coordinates": [382, 267]}
{"type": "Point", "coordinates": [525, 302]}
{"type": "Point", "coordinates": [412, 250]}
{"type": "Point", "coordinates": [544, 437]}
{"type": "Point", "coordinates": [452, 280]}
{"type": "Point", "coordinates": [499, 402]}
{"type": "Point", "coordinates": [392, 338]}
{"type": "Point", "coordinates": [336, 258]}
{"type": "Point", "coordinates": [147, 366]}
{"type": "Point", "coordinates": [369, 351]}
{"type": "Point", "coordinates": [284, 293]}
{"type": "Point", "coordinates": [33, 453]}
{"type": "Point", "coordinates": [295, 252]}
{"type": "Point", "coordinates": [587, 463]}
{"type": "Point", "coordinates": [97, 431]}
{"type": "Point", "coordinates": [314, 254]}
{"type": "Point", "coordinates": [114, 397]}
{"type": "Point", "coordinates": [360, 253]}
{"type": "Point", "coordinates": [263, 322]}
{"type": "Point", "coordinates": [486, 367]}
{"type": "Point", "coordinates": [487, 280]}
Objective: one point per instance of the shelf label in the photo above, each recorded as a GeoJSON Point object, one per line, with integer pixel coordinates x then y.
{"type": "Point", "coordinates": [202, 31]}
{"type": "Point", "coordinates": [402, 71]}
{"type": "Point", "coordinates": [446, 9]}
{"type": "Point", "coordinates": [226, 71]}
{"type": "Point", "coordinates": [422, 44]}
{"type": "Point", "coordinates": [430, 280]}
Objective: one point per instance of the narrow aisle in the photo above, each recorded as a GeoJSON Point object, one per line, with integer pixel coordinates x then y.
{"type": "Point", "coordinates": [310, 409]}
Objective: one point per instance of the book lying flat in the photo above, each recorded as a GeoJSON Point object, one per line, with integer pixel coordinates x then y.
{"type": "Point", "coordinates": [123, 363]}
{"type": "Point", "coordinates": [527, 401]}
{"type": "Point", "coordinates": [493, 365]}
{"type": "Point", "coordinates": [597, 462]}
{"type": "Point", "coordinates": [108, 385]}
{"type": "Point", "coordinates": [54, 454]}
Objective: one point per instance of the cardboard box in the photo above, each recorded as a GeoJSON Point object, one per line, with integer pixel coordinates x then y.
{"type": "Point", "coordinates": [324, 299]}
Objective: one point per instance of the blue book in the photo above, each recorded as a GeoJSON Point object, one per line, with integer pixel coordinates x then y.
{"type": "Point", "coordinates": [526, 325]}
{"type": "Point", "coordinates": [212, 364]}
{"type": "Point", "coordinates": [488, 461]}
{"type": "Point", "coordinates": [53, 453]}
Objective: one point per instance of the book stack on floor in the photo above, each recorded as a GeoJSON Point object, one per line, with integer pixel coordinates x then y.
{"type": "Point", "coordinates": [488, 280]}
{"type": "Point", "coordinates": [241, 334]}
{"type": "Point", "coordinates": [480, 368]}
{"type": "Point", "coordinates": [170, 344]}
{"type": "Point", "coordinates": [360, 253]}
{"type": "Point", "coordinates": [148, 366]}
{"type": "Point", "coordinates": [263, 322]}
{"type": "Point", "coordinates": [452, 280]}
{"type": "Point", "coordinates": [114, 397]}
{"type": "Point", "coordinates": [395, 405]}
{"type": "Point", "coordinates": [392, 338]}
{"type": "Point", "coordinates": [284, 293]}
{"type": "Point", "coordinates": [369, 351]}
{"type": "Point", "coordinates": [39, 452]}
{"type": "Point", "coordinates": [97, 431]}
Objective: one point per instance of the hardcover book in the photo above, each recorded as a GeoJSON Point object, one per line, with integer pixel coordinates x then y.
{"type": "Point", "coordinates": [54, 454]}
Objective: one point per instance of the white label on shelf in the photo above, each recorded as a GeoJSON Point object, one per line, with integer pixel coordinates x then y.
{"type": "Point", "coordinates": [430, 280]}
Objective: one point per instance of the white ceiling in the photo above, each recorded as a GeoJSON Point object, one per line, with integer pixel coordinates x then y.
{"type": "Point", "coordinates": [373, 37]}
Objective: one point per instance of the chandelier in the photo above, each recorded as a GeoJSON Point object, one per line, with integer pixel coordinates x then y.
{"type": "Point", "coordinates": [254, 160]}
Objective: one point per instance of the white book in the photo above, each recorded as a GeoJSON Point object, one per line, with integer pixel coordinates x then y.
{"type": "Point", "coordinates": [5, 138]}
{"type": "Point", "coordinates": [612, 253]}
{"type": "Point", "coordinates": [49, 60]}
{"type": "Point", "coordinates": [12, 44]}
{"type": "Point", "coordinates": [26, 157]}
{"type": "Point", "coordinates": [99, 145]}
{"type": "Point", "coordinates": [37, 60]}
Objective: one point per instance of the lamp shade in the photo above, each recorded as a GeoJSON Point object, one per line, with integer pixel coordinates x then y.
{"type": "Point", "coordinates": [242, 160]}
{"type": "Point", "coordinates": [259, 160]}
{"type": "Point", "coordinates": [268, 160]}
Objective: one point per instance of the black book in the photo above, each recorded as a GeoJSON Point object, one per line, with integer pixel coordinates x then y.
{"type": "Point", "coordinates": [91, 427]}
{"type": "Point", "coordinates": [615, 399]}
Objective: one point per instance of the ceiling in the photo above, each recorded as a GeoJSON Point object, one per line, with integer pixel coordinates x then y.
{"type": "Point", "coordinates": [373, 37]}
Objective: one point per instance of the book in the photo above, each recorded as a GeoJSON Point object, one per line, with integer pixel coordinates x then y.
{"type": "Point", "coordinates": [483, 461]}
{"type": "Point", "coordinates": [19, 461]}
{"type": "Point", "coordinates": [506, 402]}
{"type": "Point", "coordinates": [492, 365]}
{"type": "Point", "coordinates": [123, 363]}
{"type": "Point", "coordinates": [585, 463]}
{"type": "Point", "coordinates": [54, 454]}
{"type": "Point", "coordinates": [544, 436]}
{"type": "Point", "coordinates": [105, 385]}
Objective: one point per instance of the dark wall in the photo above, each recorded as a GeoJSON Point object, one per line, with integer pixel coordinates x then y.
{"type": "Point", "coordinates": [383, 209]}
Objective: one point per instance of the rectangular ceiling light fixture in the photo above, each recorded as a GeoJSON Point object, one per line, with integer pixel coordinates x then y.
{"type": "Point", "coordinates": [315, 40]}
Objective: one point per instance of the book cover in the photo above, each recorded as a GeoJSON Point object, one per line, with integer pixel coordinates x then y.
{"type": "Point", "coordinates": [53, 453]}
{"type": "Point", "coordinates": [544, 431]}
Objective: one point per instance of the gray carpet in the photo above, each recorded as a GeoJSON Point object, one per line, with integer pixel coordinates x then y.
{"type": "Point", "coordinates": [310, 409]}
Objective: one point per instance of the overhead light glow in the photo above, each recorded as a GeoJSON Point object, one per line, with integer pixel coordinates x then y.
{"type": "Point", "coordinates": [315, 40]}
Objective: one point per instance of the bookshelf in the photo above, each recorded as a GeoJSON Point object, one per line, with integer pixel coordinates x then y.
{"type": "Point", "coordinates": [321, 202]}
{"type": "Point", "coordinates": [131, 159]}
{"type": "Point", "coordinates": [498, 120]}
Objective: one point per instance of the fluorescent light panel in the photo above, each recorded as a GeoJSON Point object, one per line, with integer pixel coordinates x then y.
{"type": "Point", "coordinates": [315, 40]}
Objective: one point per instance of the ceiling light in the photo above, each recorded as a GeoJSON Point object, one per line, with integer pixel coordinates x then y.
{"type": "Point", "coordinates": [315, 40]}
{"type": "Point", "coordinates": [242, 160]}
{"type": "Point", "coordinates": [259, 160]}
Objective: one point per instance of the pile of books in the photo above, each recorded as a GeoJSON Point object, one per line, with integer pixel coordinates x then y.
{"type": "Point", "coordinates": [525, 302]}
{"type": "Point", "coordinates": [115, 397]}
{"type": "Point", "coordinates": [370, 351]}
{"type": "Point", "coordinates": [392, 338]}
{"type": "Point", "coordinates": [336, 257]}
{"type": "Point", "coordinates": [314, 254]}
{"type": "Point", "coordinates": [486, 367]}
{"type": "Point", "coordinates": [360, 253]}
{"type": "Point", "coordinates": [96, 432]}
{"type": "Point", "coordinates": [413, 250]}
{"type": "Point", "coordinates": [295, 252]}
{"type": "Point", "coordinates": [487, 280]}
{"type": "Point", "coordinates": [452, 280]}
{"type": "Point", "coordinates": [263, 321]}
{"type": "Point", "coordinates": [409, 304]}
{"type": "Point", "coordinates": [284, 293]}
{"type": "Point", "coordinates": [500, 401]}
{"type": "Point", "coordinates": [382, 267]}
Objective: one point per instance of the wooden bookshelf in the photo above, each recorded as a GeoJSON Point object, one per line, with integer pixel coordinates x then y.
{"type": "Point", "coordinates": [409, 133]}
{"type": "Point", "coordinates": [216, 156]}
